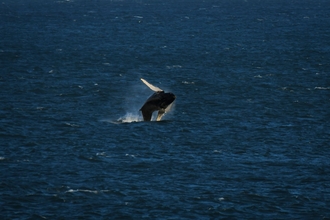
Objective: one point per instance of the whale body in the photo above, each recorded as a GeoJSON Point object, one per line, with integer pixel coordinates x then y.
{"type": "Point", "coordinates": [160, 101]}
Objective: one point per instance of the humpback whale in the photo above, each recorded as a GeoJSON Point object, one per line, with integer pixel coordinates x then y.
{"type": "Point", "coordinates": [159, 101]}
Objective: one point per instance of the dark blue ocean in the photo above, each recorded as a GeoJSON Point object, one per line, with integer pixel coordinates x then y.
{"type": "Point", "coordinates": [247, 138]}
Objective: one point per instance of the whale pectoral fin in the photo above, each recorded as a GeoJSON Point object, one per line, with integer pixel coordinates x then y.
{"type": "Point", "coordinates": [160, 114]}
{"type": "Point", "coordinates": [152, 87]}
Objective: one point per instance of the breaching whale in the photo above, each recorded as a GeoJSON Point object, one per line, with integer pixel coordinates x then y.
{"type": "Point", "coordinates": [159, 101]}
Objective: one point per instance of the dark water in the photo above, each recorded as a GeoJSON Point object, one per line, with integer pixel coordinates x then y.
{"type": "Point", "coordinates": [248, 137]}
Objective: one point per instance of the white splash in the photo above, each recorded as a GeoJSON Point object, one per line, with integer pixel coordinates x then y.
{"type": "Point", "coordinates": [130, 117]}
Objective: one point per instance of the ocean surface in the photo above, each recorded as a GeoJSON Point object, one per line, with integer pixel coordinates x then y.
{"type": "Point", "coordinates": [247, 138]}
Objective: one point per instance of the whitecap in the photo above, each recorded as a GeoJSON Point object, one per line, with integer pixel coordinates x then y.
{"type": "Point", "coordinates": [173, 66]}
{"type": "Point", "coordinates": [186, 82]}
{"type": "Point", "coordinates": [322, 88]}
{"type": "Point", "coordinates": [71, 124]}
{"type": "Point", "coordinates": [130, 155]}
{"type": "Point", "coordinates": [85, 190]}
{"type": "Point", "coordinates": [101, 154]}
